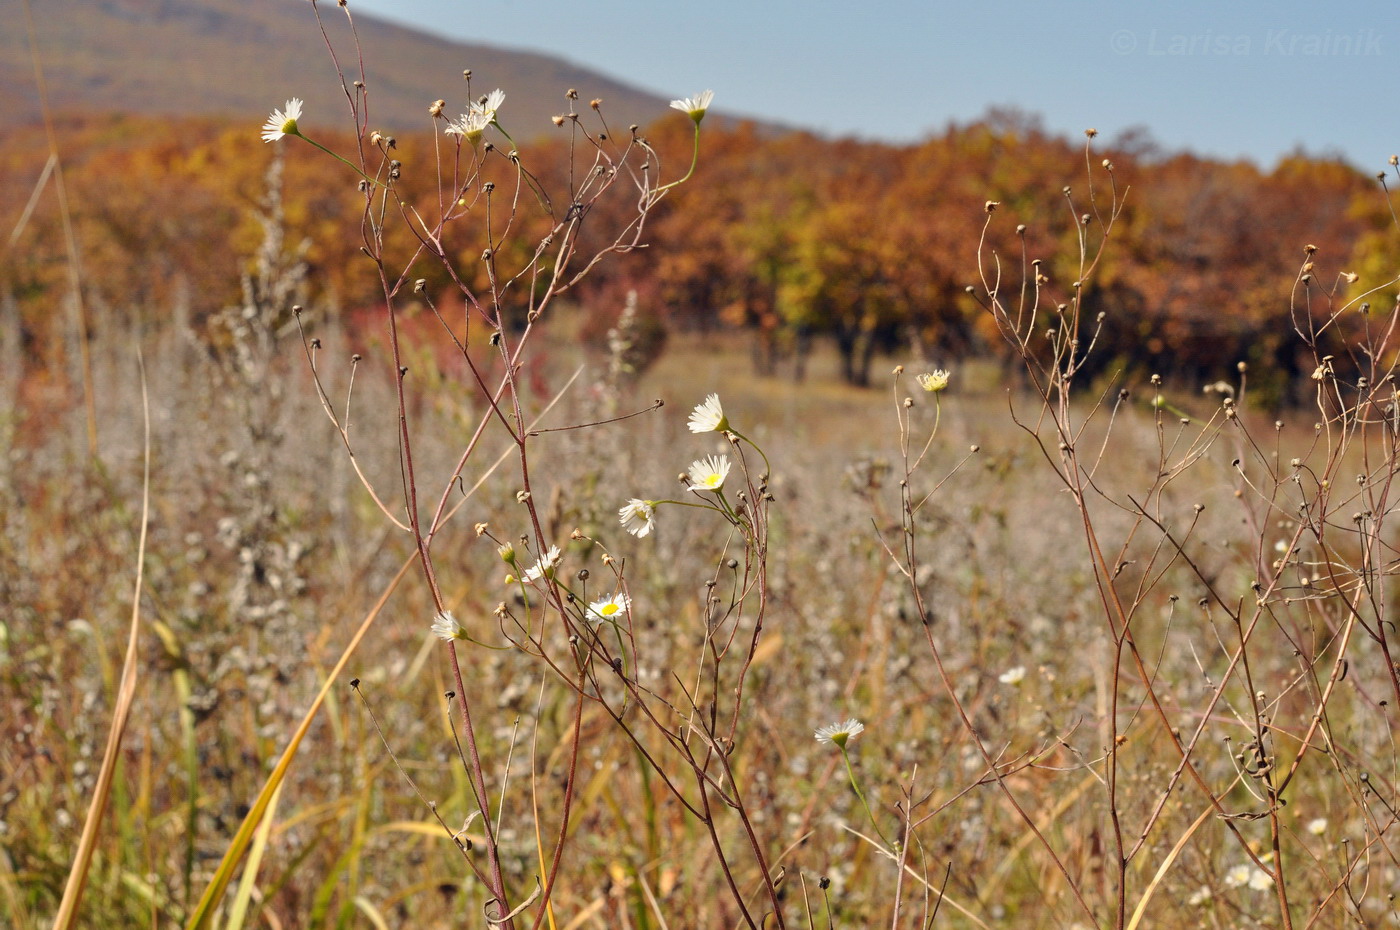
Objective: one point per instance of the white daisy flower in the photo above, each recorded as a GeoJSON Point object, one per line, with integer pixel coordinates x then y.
{"type": "Point", "coordinates": [1237, 876]}
{"type": "Point", "coordinates": [469, 126]}
{"type": "Point", "coordinates": [609, 608]}
{"type": "Point", "coordinates": [708, 417]}
{"type": "Point", "coordinates": [1317, 826]}
{"type": "Point", "coordinates": [283, 123]}
{"type": "Point", "coordinates": [490, 105]}
{"type": "Point", "coordinates": [708, 474]}
{"type": "Point", "coordinates": [934, 381]}
{"type": "Point", "coordinates": [446, 627]}
{"type": "Point", "coordinates": [840, 733]}
{"type": "Point", "coordinates": [695, 107]}
{"type": "Point", "coordinates": [1013, 676]}
{"type": "Point", "coordinates": [1260, 880]}
{"type": "Point", "coordinates": [638, 517]}
{"type": "Point", "coordinates": [1200, 896]}
{"type": "Point", "coordinates": [544, 568]}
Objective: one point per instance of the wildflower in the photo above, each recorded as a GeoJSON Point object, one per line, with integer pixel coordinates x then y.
{"type": "Point", "coordinates": [544, 568]}
{"type": "Point", "coordinates": [488, 105]}
{"type": "Point", "coordinates": [708, 474]}
{"type": "Point", "coordinates": [695, 107]}
{"type": "Point", "coordinates": [933, 381]}
{"type": "Point", "coordinates": [1199, 896]}
{"type": "Point", "coordinates": [608, 607]}
{"type": "Point", "coordinates": [507, 553]}
{"type": "Point", "coordinates": [1248, 874]}
{"type": "Point", "coordinates": [283, 123]}
{"type": "Point", "coordinates": [840, 733]}
{"type": "Point", "coordinates": [469, 126]}
{"type": "Point", "coordinates": [1013, 676]}
{"type": "Point", "coordinates": [446, 627]}
{"type": "Point", "coordinates": [638, 516]}
{"type": "Point", "coordinates": [708, 417]}
{"type": "Point", "coordinates": [1317, 826]}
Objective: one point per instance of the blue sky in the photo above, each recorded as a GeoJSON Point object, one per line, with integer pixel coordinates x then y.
{"type": "Point", "coordinates": [1238, 79]}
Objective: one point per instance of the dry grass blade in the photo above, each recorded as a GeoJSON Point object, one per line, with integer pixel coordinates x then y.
{"type": "Point", "coordinates": [266, 796]}
{"type": "Point", "coordinates": [239, 915]}
{"type": "Point", "coordinates": [1165, 867]}
{"type": "Point", "coordinates": [224, 874]}
{"type": "Point", "coordinates": [126, 692]}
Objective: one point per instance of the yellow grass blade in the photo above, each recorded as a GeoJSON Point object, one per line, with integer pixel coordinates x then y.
{"type": "Point", "coordinates": [126, 693]}
{"type": "Point", "coordinates": [1164, 867]}
{"type": "Point", "coordinates": [239, 913]}
{"type": "Point", "coordinates": [204, 910]}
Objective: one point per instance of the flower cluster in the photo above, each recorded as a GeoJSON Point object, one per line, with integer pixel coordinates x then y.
{"type": "Point", "coordinates": [638, 515]}
{"type": "Point", "coordinates": [480, 114]}
{"type": "Point", "coordinates": [1247, 873]}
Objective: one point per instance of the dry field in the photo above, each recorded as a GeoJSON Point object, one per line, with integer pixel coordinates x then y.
{"type": "Point", "coordinates": [441, 620]}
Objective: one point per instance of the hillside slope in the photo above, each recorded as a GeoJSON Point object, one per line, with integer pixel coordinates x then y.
{"type": "Point", "coordinates": [188, 57]}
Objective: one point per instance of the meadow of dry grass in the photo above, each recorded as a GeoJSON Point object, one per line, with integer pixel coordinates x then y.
{"type": "Point", "coordinates": [264, 555]}
{"type": "Point", "coordinates": [1111, 655]}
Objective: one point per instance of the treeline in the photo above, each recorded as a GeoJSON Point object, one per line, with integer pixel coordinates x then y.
{"type": "Point", "coordinates": [794, 238]}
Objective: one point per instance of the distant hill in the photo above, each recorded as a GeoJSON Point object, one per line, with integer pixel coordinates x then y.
{"type": "Point", "coordinates": [241, 58]}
